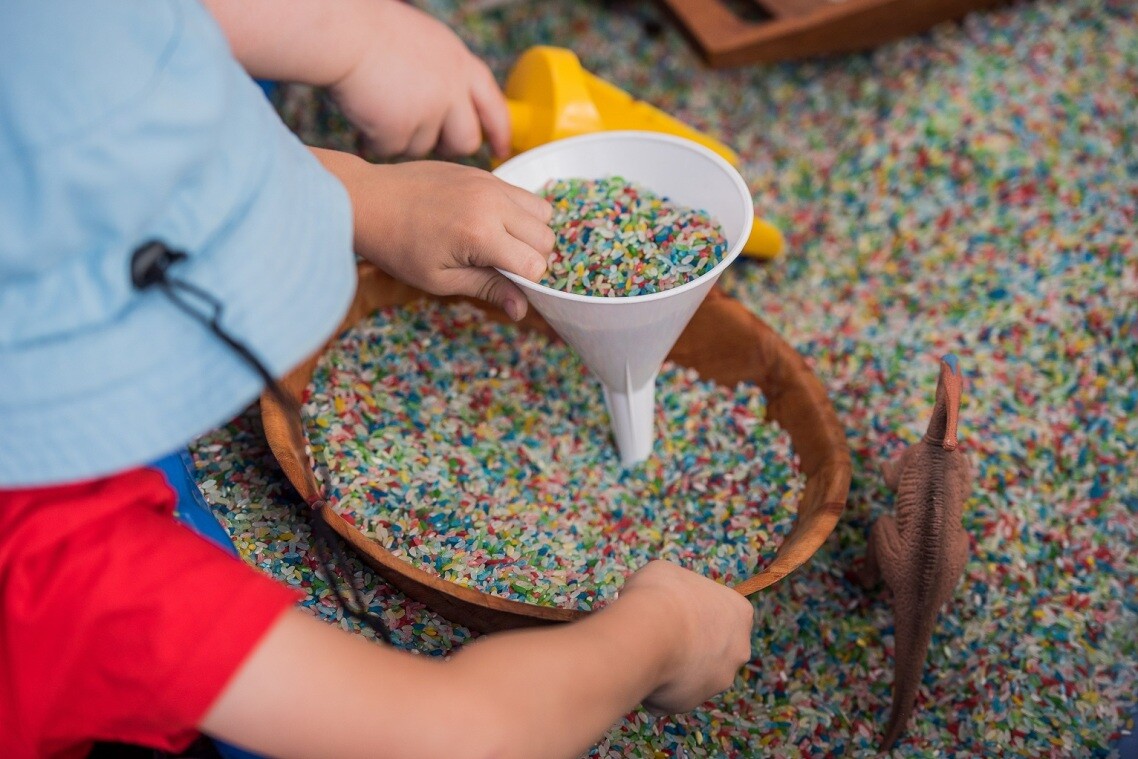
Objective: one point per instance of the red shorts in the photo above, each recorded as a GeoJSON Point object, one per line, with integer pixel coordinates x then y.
{"type": "Point", "coordinates": [117, 623]}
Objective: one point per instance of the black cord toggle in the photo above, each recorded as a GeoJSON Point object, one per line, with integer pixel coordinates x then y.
{"type": "Point", "coordinates": [150, 267]}
{"type": "Point", "coordinates": [150, 262]}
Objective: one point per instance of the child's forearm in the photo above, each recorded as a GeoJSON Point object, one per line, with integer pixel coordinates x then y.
{"type": "Point", "coordinates": [555, 691]}
{"type": "Point", "coordinates": [309, 41]}
{"type": "Point", "coordinates": [310, 690]}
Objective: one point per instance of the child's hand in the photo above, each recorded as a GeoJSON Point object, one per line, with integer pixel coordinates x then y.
{"type": "Point", "coordinates": [417, 87]}
{"type": "Point", "coordinates": [713, 627]}
{"type": "Point", "coordinates": [443, 227]}
{"type": "Point", "coordinates": [403, 78]}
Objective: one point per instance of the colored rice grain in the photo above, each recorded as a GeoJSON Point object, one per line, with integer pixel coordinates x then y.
{"type": "Point", "coordinates": [619, 239]}
{"type": "Point", "coordinates": [483, 455]}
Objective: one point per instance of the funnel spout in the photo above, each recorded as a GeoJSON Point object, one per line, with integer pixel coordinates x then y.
{"type": "Point", "coordinates": [632, 413]}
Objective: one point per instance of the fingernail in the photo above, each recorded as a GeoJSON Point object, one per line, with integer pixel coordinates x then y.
{"type": "Point", "coordinates": [539, 268]}
{"type": "Point", "coordinates": [513, 309]}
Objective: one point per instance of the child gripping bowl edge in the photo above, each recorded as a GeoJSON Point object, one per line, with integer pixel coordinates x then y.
{"type": "Point", "coordinates": [127, 121]}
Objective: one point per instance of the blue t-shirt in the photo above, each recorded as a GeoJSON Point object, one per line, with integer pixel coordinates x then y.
{"type": "Point", "coordinates": [123, 121]}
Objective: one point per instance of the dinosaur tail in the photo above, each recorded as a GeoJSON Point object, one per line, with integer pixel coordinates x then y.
{"type": "Point", "coordinates": [911, 647]}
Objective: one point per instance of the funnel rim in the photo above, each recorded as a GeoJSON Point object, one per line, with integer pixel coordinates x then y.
{"type": "Point", "coordinates": [625, 135]}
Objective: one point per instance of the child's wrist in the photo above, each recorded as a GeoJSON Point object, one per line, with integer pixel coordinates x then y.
{"type": "Point", "coordinates": [362, 24]}
{"type": "Point", "coordinates": [659, 630]}
{"type": "Point", "coordinates": [354, 174]}
{"type": "Point", "coordinates": [346, 167]}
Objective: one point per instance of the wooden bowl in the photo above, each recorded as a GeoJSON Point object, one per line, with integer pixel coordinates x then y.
{"type": "Point", "coordinates": [724, 342]}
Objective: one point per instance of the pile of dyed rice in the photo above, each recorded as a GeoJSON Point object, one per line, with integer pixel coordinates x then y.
{"type": "Point", "coordinates": [615, 239]}
{"type": "Point", "coordinates": [483, 454]}
{"type": "Point", "coordinates": [973, 190]}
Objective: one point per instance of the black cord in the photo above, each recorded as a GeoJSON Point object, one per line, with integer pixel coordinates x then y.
{"type": "Point", "coordinates": [330, 554]}
{"type": "Point", "coordinates": [149, 267]}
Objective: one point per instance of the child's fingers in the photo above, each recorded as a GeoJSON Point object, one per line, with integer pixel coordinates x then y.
{"type": "Point", "coordinates": [489, 285]}
{"type": "Point", "coordinates": [461, 133]}
{"type": "Point", "coordinates": [423, 140]}
{"type": "Point", "coordinates": [535, 205]}
{"type": "Point", "coordinates": [383, 143]}
{"type": "Point", "coordinates": [532, 232]}
{"type": "Point", "coordinates": [506, 252]}
{"type": "Point", "coordinates": [490, 104]}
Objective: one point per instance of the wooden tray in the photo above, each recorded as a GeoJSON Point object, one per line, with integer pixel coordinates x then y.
{"type": "Point", "coordinates": [724, 342]}
{"type": "Point", "coordinates": [808, 28]}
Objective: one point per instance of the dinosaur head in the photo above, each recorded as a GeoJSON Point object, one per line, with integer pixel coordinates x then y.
{"type": "Point", "coordinates": [946, 413]}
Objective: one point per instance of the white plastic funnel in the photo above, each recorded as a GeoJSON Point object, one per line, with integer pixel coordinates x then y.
{"type": "Point", "coordinates": [624, 340]}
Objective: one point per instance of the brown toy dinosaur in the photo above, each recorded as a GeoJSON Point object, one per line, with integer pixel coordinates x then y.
{"type": "Point", "coordinates": [922, 552]}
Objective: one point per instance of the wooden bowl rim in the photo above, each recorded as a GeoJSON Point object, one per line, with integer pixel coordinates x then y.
{"type": "Point", "coordinates": [795, 400]}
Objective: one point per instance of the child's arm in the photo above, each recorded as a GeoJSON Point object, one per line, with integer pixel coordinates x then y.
{"type": "Point", "coordinates": [444, 227]}
{"type": "Point", "coordinates": [405, 79]}
{"type": "Point", "coordinates": [673, 638]}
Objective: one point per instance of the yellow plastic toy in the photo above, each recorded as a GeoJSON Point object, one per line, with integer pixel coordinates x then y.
{"type": "Point", "coordinates": [550, 96]}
